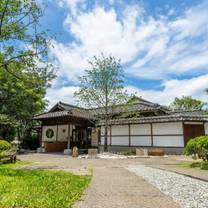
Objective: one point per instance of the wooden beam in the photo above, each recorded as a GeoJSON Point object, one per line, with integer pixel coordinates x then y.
{"type": "Point", "coordinates": [68, 145]}
{"type": "Point", "coordinates": [56, 132]}
{"type": "Point", "coordinates": [151, 130]}
{"type": "Point", "coordinates": [129, 135]}
{"type": "Point", "coordinates": [110, 135]}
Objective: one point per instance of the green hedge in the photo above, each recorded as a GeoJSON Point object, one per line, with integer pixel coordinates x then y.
{"type": "Point", "coordinates": [4, 145]}
{"type": "Point", "coordinates": [198, 147]}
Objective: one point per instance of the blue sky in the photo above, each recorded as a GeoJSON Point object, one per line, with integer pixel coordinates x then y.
{"type": "Point", "coordinates": [162, 44]}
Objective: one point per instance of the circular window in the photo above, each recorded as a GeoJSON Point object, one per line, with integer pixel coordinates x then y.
{"type": "Point", "coordinates": [50, 133]}
{"type": "Point", "coordinates": [64, 130]}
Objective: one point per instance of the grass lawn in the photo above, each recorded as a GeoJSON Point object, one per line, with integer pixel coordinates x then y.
{"type": "Point", "coordinates": [200, 165]}
{"type": "Point", "coordinates": [39, 188]}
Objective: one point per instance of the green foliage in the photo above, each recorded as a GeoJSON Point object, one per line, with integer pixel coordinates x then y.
{"type": "Point", "coordinates": [198, 147]}
{"type": "Point", "coordinates": [25, 73]}
{"type": "Point", "coordinates": [21, 39]}
{"type": "Point", "coordinates": [186, 103]}
{"type": "Point", "coordinates": [4, 145]}
{"type": "Point", "coordinates": [39, 188]}
{"type": "Point", "coordinates": [204, 165]}
{"type": "Point", "coordinates": [102, 85]}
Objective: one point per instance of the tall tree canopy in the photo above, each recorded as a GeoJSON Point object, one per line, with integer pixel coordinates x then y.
{"type": "Point", "coordinates": [102, 87]}
{"type": "Point", "coordinates": [186, 103]}
{"type": "Point", "coordinates": [21, 40]}
{"type": "Point", "coordinates": [25, 73]}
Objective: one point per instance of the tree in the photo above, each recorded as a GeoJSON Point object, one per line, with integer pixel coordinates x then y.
{"type": "Point", "coordinates": [21, 40]}
{"type": "Point", "coordinates": [102, 88]}
{"type": "Point", "coordinates": [25, 73]}
{"type": "Point", "coordinates": [20, 101]}
{"type": "Point", "coordinates": [186, 103]}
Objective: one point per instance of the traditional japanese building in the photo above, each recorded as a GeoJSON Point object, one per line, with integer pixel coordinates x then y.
{"type": "Point", "coordinates": [142, 124]}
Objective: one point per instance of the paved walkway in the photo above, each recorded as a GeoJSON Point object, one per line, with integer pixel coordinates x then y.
{"type": "Point", "coordinates": [115, 187]}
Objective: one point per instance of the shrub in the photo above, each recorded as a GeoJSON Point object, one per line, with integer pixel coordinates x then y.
{"type": "Point", "coordinates": [198, 147]}
{"type": "Point", "coordinates": [204, 165]}
{"type": "Point", "coordinates": [4, 145]}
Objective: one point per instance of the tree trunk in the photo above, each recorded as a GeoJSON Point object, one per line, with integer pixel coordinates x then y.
{"type": "Point", "coordinates": [106, 139]}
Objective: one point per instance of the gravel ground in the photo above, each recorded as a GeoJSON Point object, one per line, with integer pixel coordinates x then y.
{"type": "Point", "coordinates": [188, 192]}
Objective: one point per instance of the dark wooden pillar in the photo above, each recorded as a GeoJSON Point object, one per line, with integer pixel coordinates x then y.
{"type": "Point", "coordinates": [129, 134]}
{"type": "Point", "coordinates": [151, 130]}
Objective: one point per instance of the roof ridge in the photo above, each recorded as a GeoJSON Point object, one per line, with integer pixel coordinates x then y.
{"type": "Point", "coordinates": [74, 106]}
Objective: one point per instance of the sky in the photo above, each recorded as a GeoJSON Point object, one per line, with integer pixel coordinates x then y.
{"type": "Point", "coordinates": [162, 45]}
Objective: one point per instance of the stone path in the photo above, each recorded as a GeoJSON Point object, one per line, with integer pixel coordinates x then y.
{"type": "Point", "coordinates": [188, 192]}
{"type": "Point", "coordinates": [115, 187]}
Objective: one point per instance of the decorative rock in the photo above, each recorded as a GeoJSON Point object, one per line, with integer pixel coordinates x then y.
{"type": "Point", "coordinates": [75, 152]}
{"type": "Point", "coordinates": [40, 150]}
{"type": "Point", "coordinates": [141, 152]}
{"type": "Point", "coordinates": [92, 153]}
{"type": "Point", "coordinates": [188, 192]}
{"type": "Point", "coordinates": [67, 152]}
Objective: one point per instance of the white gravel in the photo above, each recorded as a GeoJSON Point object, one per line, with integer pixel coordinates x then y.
{"type": "Point", "coordinates": [188, 192]}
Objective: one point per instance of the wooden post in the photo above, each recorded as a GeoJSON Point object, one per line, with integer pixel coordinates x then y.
{"type": "Point", "coordinates": [151, 129]}
{"type": "Point", "coordinates": [129, 135]}
{"type": "Point", "coordinates": [68, 145]}
{"type": "Point", "coordinates": [56, 132]}
{"type": "Point", "coordinates": [110, 135]}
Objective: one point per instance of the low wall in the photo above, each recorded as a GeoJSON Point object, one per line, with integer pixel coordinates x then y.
{"type": "Point", "coordinates": [55, 146]}
{"type": "Point", "coordinates": [168, 150]}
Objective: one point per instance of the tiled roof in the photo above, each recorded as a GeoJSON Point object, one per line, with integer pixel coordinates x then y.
{"type": "Point", "coordinates": [74, 112]}
{"type": "Point", "coordinates": [63, 110]}
{"type": "Point", "coordinates": [154, 119]}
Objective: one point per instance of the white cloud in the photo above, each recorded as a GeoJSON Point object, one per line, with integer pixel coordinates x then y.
{"type": "Point", "coordinates": [172, 88]}
{"type": "Point", "coordinates": [151, 48]}
{"type": "Point", "coordinates": [175, 88]}
{"type": "Point", "coordinates": [64, 94]}
{"type": "Point", "coordinates": [156, 48]}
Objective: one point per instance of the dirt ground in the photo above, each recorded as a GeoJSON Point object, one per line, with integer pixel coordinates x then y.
{"type": "Point", "coordinates": [112, 184]}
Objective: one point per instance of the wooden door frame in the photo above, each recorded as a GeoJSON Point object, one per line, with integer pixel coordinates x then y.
{"type": "Point", "coordinates": [194, 124]}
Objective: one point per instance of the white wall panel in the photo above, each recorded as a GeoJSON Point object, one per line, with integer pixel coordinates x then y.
{"type": "Point", "coordinates": [140, 140]}
{"type": "Point", "coordinates": [63, 133]}
{"type": "Point", "coordinates": [102, 140]}
{"type": "Point", "coordinates": [123, 141]}
{"type": "Point", "coordinates": [120, 130]}
{"type": "Point", "coordinates": [168, 141]}
{"type": "Point", "coordinates": [167, 128]}
{"type": "Point", "coordinates": [44, 130]}
{"type": "Point", "coordinates": [140, 129]}
{"type": "Point", "coordinates": [206, 128]}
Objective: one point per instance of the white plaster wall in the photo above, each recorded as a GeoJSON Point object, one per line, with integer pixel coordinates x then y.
{"type": "Point", "coordinates": [168, 141]}
{"type": "Point", "coordinates": [63, 133]}
{"type": "Point", "coordinates": [206, 128]}
{"type": "Point", "coordinates": [140, 140]}
{"type": "Point", "coordinates": [120, 130]}
{"type": "Point", "coordinates": [140, 129]}
{"type": "Point", "coordinates": [103, 140]}
{"type": "Point", "coordinates": [123, 141]}
{"type": "Point", "coordinates": [167, 128]}
{"type": "Point", "coordinates": [44, 137]}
